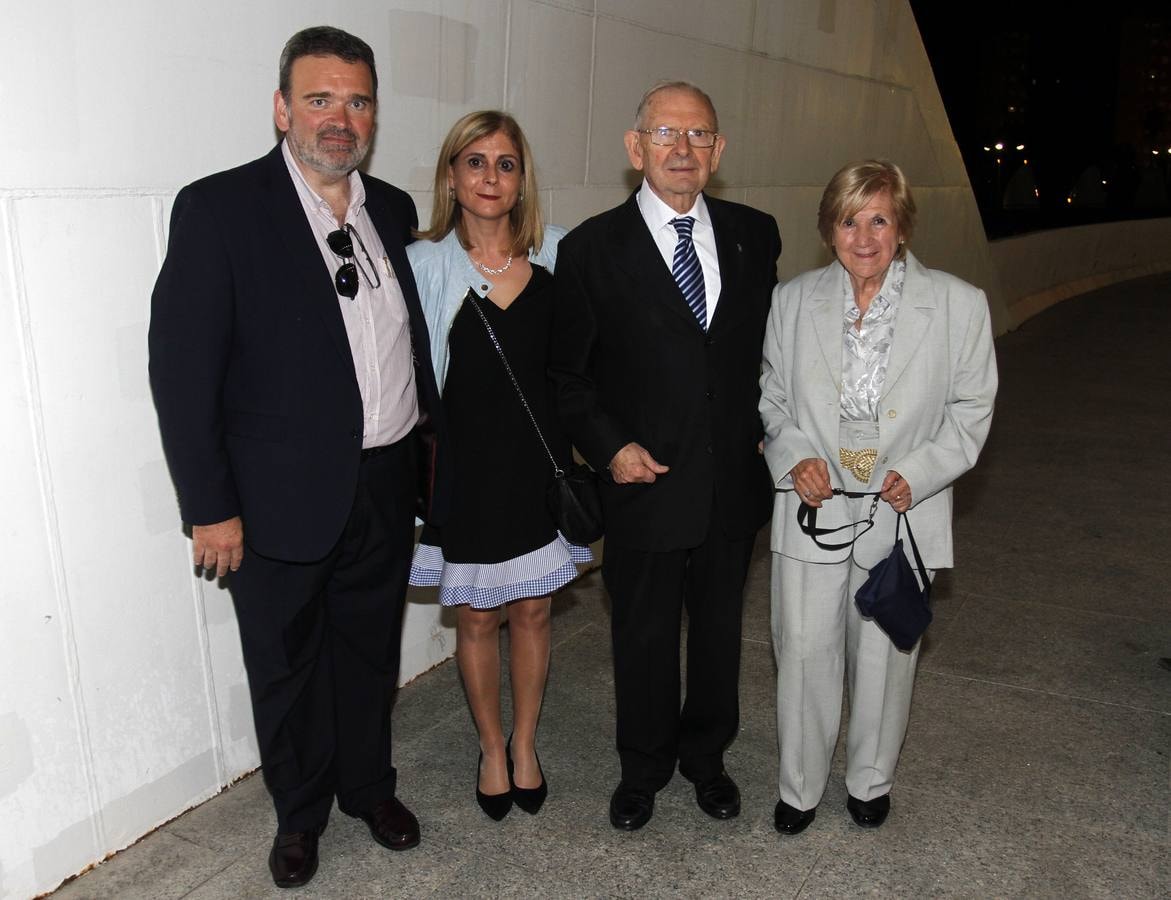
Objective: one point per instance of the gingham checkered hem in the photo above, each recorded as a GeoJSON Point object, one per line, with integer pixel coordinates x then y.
{"type": "Point", "coordinates": [489, 585]}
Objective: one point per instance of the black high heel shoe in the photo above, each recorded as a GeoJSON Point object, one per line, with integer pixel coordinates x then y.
{"type": "Point", "coordinates": [495, 806]}
{"type": "Point", "coordinates": [528, 799]}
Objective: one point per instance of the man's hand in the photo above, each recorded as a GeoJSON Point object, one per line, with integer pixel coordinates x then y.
{"type": "Point", "coordinates": [219, 546]}
{"type": "Point", "coordinates": [633, 465]}
{"type": "Point", "coordinates": [811, 481]}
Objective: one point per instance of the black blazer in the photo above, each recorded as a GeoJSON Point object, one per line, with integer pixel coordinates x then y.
{"type": "Point", "coordinates": [250, 366]}
{"type": "Point", "coordinates": [629, 362]}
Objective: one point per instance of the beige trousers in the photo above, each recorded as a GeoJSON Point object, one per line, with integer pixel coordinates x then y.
{"type": "Point", "coordinates": [819, 638]}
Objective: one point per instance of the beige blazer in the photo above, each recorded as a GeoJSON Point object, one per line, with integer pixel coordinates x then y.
{"type": "Point", "coordinates": [934, 413]}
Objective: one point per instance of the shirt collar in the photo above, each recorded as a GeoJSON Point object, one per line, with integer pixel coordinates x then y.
{"type": "Point", "coordinates": [887, 296]}
{"type": "Point", "coordinates": [357, 188]}
{"type": "Point", "coordinates": [657, 214]}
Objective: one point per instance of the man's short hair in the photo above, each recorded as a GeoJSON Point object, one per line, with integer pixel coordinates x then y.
{"type": "Point", "coordinates": [674, 86]}
{"type": "Point", "coordinates": [325, 40]}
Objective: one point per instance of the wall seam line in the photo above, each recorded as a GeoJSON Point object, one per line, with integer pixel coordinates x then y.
{"type": "Point", "coordinates": [53, 529]}
{"type": "Point", "coordinates": [590, 96]}
{"type": "Point", "coordinates": [507, 53]}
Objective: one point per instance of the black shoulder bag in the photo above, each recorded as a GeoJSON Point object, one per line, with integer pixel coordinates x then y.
{"type": "Point", "coordinates": [573, 498]}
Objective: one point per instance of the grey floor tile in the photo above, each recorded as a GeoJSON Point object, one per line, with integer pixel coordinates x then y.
{"type": "Point", "coordinates": [976, 850]}
{"type": "Point", "coordinates": [239, 816]}
{"type": "Point", "coordinates": [352, 866]}
{"type": "Point", "coordinates": [159, 866]}
{"type": "Point", "coordinates": [1104, 583]}
{"type": "Point", "coordinates": [1061, 651]}
{"type": "Point", "coordinates": [1070, 760]}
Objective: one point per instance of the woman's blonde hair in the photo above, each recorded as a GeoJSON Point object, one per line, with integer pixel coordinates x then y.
{"type": "Point", "coordinates": [528, 231]}
{"type": "Point", "coordinates": [857, 184]}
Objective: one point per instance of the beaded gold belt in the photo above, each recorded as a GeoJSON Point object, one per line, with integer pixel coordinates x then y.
{"type": "Point", "coordinates": [860, 463]}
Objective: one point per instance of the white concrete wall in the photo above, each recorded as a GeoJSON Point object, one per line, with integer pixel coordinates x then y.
{"type": "Point", "coordinates": [122, 694]}
{"type": "Point", "coordinates": [1038, 270]}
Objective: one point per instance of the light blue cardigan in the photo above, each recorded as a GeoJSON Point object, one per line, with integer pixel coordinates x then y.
{"type": "Point", "coordinates": [444, 273]}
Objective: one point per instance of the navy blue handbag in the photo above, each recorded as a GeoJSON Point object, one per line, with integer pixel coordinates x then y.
{"type": "Point", "coordinates": [892, 596]}
{"type": "Point", "coordinates": [895, 597]}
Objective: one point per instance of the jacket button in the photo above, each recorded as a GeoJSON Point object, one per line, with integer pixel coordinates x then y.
{"type": "Point", "coordinates": [355, 434]}
{"type": "Point", "coordinates": [890, 413]}
{"type": "Point", "coordinates": [709, 448]}
{"type": "Point", "coordinates": [711, 395]}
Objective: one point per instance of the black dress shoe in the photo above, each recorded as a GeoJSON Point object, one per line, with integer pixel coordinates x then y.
{"type": "Point", "coordinates": [869, 813]}
{"type": "Point", "coordinates": [718, 797]}
{"type": "Point", "coordinates": [392, 825]}
{"type": "Point", "coordinates": [790, 820]}
{"type": "Point", "coordinates": [293, 860]}
{"type": "Point", "coordinates": [495, 806]}
{"type": "Point", "coordinates": [630, 808]}
{"type": "Point", "coordinates": [528, 799]}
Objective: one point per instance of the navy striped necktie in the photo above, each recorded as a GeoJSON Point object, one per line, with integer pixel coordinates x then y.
{"type": "Point", "coordinates": [687, 271]}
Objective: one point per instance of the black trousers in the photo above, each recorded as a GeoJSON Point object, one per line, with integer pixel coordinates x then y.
{"type": "Point", "coordinates": [648, 591]}
{"type": "Point", "coordinates": [321, 644]}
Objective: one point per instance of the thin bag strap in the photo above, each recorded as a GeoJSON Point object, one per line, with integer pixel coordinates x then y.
{"type": "Point", "coordinates": [915, 552]}
{"type": "Point", "coordinates": [558, 472]}
{"type": "Point", "coordinates": [807, 520]}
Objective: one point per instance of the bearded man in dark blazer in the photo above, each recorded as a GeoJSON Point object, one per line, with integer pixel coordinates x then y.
{"type": "Point", "coordinates": [661, 308]}
{"type": "Point", "coordinates": [284, 328]}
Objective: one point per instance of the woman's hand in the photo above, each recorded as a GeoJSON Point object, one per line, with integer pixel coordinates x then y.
{"type": "Point", "coordinates": [811, 481]}
{"type": "Point", "coordinates": [896, 492]}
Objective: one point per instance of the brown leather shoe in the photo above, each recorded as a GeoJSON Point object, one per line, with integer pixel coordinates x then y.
{"type": "Point", "coordinates": [293, 860]}
{"type": "Point", "coordinates": [392, 825]}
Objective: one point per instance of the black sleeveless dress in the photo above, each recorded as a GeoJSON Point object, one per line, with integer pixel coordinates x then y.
{"type": "Point", "coordinates": [499, 543]}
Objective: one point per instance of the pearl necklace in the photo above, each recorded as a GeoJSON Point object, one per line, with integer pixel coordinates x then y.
{"type": "Point", "coordinates": [504, 268]}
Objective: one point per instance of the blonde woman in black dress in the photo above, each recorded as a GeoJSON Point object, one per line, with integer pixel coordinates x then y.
{"type": "Point", "coordinates": [487, 256]}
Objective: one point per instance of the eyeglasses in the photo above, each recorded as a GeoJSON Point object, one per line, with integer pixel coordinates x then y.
{"type": "Point", "coordinates": [345, 279]}
{"type": "Point", "coordinates": [664, 136]}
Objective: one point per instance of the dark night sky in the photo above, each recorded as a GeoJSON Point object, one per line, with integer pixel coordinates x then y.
{"type": "Point", "coordinates": [1062, 84]}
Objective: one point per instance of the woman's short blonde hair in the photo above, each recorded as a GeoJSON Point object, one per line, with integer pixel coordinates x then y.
{"type": "Point", "coordinates": [856, 185]}
{"type": "Point", "coordinates": [528, 231]}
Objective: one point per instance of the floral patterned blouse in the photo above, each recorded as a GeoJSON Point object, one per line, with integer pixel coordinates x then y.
{"type": "Point", "coordinates": [866, 350]}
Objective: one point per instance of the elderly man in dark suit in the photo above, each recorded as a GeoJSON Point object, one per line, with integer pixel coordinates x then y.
{"type": "Point", "coordinates": [284, 328]}
{"type": "Point", "coordinates": [661, 308]}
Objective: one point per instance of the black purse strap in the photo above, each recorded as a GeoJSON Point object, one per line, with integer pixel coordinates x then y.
{"type": "Point", "coordinates": [558, 472]}
{"type": "Point", "coordinates": [807, 520]}
{"type": "Point", "coordinates": [915, 552]}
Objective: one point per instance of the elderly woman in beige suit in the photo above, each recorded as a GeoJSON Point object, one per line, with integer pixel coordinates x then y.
{"type": "Point", "coordinates": [879, 376]}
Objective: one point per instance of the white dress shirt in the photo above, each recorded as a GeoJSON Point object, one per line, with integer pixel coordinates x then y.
{"type": "Point", "coordinates": [658, 216]}
{"type": "Point", "coordinates": [376, 319]}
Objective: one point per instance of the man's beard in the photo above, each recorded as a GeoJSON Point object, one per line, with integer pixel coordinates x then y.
{"type": "Point", "coordinates": [328, 159]}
